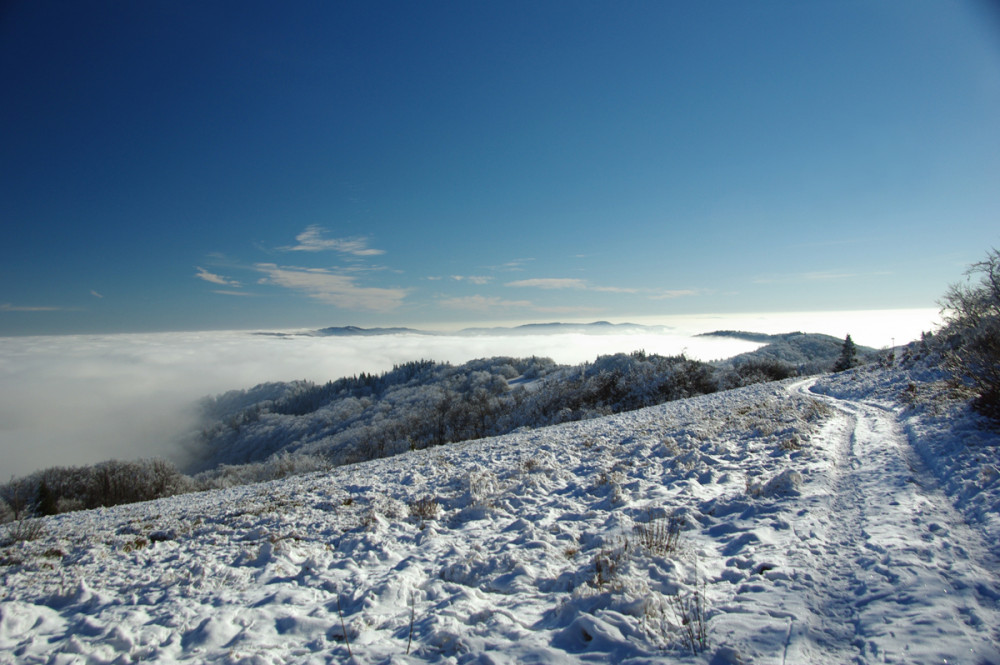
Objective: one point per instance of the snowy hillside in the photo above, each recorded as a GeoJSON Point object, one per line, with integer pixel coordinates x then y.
{"type": "Point", "coordinates": [777, 523]}
{"type": "Point", "coordinates": [422, 403]}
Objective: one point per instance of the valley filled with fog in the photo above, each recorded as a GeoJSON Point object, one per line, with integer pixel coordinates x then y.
{"type": "Point", "coordinates": [80, 399]}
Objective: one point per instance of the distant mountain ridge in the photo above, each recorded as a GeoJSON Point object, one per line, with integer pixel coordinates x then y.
{"type": "Point", "coordinates": [555, 328]}
{"type": "Point", "coordinates": [550, 328]}
{"type": "Point", "coordinates": [346, 331]}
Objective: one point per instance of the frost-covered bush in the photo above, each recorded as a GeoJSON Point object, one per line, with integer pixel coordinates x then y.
{"type": "Point", "coordinates": [19, 497]}
{"type": "Point", "coordinates": [281, 465]}
{"type": "Point", "coordinates": [6, 514]}
{"type": "Point", "coordinates": [425, 508]}
{"type": "Point", "coordinates": [972, 332]}
{"type": "Point", "coordinates": [110, 483]}
{"type": "Point", "coordinates": [24, 531]}
{"type": "Point", "coordinates": [759, 369]}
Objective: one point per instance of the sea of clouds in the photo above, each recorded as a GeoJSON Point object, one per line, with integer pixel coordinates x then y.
{"type": "Point", "coordinates": [79, 399]}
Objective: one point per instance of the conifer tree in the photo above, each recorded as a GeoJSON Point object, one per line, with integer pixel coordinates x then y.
{"type": "Point", "coordinates": [848, 356]}
{"type": "Point", "coordinates": [46, 500]}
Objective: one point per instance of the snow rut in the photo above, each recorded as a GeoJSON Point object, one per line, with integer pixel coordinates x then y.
{"type": "Point", "coordinates": [894, 578]}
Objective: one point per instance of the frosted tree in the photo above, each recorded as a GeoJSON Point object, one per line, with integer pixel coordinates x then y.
{"type": "Point", "coordinates": [971, 310]}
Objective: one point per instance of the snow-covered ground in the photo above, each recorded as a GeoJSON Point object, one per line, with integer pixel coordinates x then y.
{"type": "Point", "coordinates": [779, 523]}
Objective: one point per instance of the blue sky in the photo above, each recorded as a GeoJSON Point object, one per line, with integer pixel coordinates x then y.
{"type": "Point", "coordinates": [191, 165]}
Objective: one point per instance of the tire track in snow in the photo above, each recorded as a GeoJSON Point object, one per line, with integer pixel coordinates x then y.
{"type": "Point", "coordinates": [895, 571]}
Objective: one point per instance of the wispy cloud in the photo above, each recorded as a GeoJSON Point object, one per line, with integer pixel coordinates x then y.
{"type": "Point", "coordinates": [484, 303]}
{"type": "Point", "coordinates": [225, 292]}
{"type": "Point", "coordinates": [7, 307]}
{"type": "Point", "coordinates": [331, 288]}
{"type": "Point", "coordinates": [584, 285]}
{"type": "Point", "coordinates": [675, 293]}
{"type": "Point", "coordinates": [613, 289]}
{"type": "Point", "coordinates": [312, 240]}
{"type": "Point", "coordinates": [473, 279]}
{"type": "Point", "coordinates": [569, 283]}
{"type": "Point", "coordinates": [828, 275]}
{"type": "Point", "coordinates": [213, 278]}
{"type": "Point", "coordinates": [487, 303]}
{"type": "Point", "coordinates": [815, 276]}
{"type": "Point", "coordinates": [556, 283]}
{"type": "Point", "coordinates": [513, 265]}
{"type": "Point", "coordinates": [95, 294]}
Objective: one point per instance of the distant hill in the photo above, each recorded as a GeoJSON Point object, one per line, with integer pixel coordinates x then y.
{"type": "Point", "coordinates": [744, 335]}
{"type": "Point", "coordinates": [553, 328]}
{"type": "Point", "coordinates": [347, 331]}
{"type": "Point", "coordinates": [556, 328]}
{"type": "Point", "coordinates": [808, 353]}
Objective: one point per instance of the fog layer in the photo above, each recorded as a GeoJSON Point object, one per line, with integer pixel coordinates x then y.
{"type": "Point", "coordinates": [70, 400]}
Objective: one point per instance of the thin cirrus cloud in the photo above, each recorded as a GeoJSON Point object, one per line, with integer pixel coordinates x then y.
{"type": "Point", "coordinates": [584, 285]}
{"type": "Point", "coordinates": [331, 288]}
{"type": "Point", "coordinates": [7, 307]}
{"type": "Point", "coordinates": [212, 278]}
{"type": "Point", "coordinates": [479, 280]}
{"type": "Point", "coordinates": [484, 303]}
{"type": "Point", "coordinates": [675, 293]}
{"type": "Point", "coordinates": [514, 265]}
{"type": "Point", "coordinates": [568, 283]}
{"type": "Point", "coordinates": [312, 240]}
{"type": "Point", "coordinates": [815, 276]}
{"type": "Point", "coordinates": [480, 303]}
{"type": "Point", "coordinates": [554, 283]}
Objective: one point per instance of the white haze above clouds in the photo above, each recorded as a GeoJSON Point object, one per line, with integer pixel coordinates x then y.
{"type": "Point", "coordinates": [80, 399]}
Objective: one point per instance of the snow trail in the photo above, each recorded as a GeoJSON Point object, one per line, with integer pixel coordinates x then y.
{"type": "Point", "coordinates": [896, 577]}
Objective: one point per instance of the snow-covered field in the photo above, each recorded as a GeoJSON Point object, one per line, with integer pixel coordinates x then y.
{"type": "Point", "coordinates": [779, 523]}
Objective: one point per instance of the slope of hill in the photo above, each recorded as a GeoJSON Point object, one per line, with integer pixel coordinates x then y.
{"type": "Point", "coordinates": [776, 523]}
{"type": "Point", "coordinates": [424, 403]}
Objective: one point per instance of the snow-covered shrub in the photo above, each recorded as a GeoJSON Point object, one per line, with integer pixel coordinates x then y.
{"type": "Point", "coordinates": [390, 508]}
{"type": "Point", "coordinates": [480, 487]}
{"type": "Point", "coordinates": [972, 330]}
{"type": "Point", "coordinates": [281, 465]}
{"type": "Point", "coordinates": [608, 562]}
{"type": "Point", "coordinates": [791, 443]}
{"type": "Point", "coordinates": [23, 531]}
{"type": "Point", "coordinates": [19, 497]}
{"type": "Point", "coordinates": [759, 369]}
{"type": "Point", "coordinates": [425, 508]}
{"type": "Point", "coordinates": [110, 483]}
